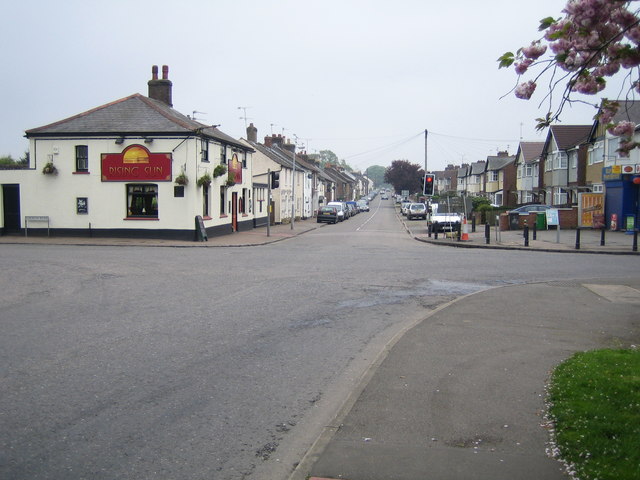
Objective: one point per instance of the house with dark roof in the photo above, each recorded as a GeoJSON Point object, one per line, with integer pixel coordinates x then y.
{"type": "Point", "coordinates": [136, 167]}
{"type": "Point", "coordinates": [527, 165]}
{"type": "Point", "coordinates": [563, 159]}
{"type": "Point", "coordinates": [295, 177]}
{"type": "Point", "coordinates": [462, 179]}
{"type": "Point", "coordinates": [500, 179]}
{"type": "Point", "coordinates": [446, 180]}
{"type": "Point", "coordinates": [476, 178]}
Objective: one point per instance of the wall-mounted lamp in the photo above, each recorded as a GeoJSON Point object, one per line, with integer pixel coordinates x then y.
{"type": "Point", "coordinates": [148, 140]}
{"type": "Point", "coordinates": [119, 141]}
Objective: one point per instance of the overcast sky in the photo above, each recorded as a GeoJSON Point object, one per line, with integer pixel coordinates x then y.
{"type": "Point", "coordinates": [361, 78]}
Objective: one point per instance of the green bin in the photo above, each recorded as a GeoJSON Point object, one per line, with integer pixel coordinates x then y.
{"type": "Point", "coordinates": [541, 221]}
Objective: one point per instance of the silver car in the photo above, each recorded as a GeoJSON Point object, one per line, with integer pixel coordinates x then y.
{"type": "Point", "coordinates": [417, 210]}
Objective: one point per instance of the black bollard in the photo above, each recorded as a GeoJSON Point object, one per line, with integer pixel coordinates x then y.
{"type": "Point", "coordinates": [429, 230]}
{"type": "Point", "coordinates": [535, 231]}
{"type": "Point", "coordinates": [577, 239]}
{"type": "Point", "coordinates": [459, 231]}
{"type": "Point", "coordinates": [487, 233]}
{"type": "Point", "coordinates": [526, 235]}
{"type": "Point", "coordinates": [435, 230]}
{"type": "Point", "coordinates": [602, 237]}
{"type": "Point", "coordinates": [473, 224]}
{"type": "Point", "coordinates": [635, 240]}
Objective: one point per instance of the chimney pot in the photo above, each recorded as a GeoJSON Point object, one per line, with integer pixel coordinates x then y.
{"type": "Point", "coordinates": [160, 89]}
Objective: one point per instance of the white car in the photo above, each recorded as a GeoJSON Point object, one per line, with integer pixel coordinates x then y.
{"type": "Point", "coordinates": [404, 207]}
{"type": "Point", "coordinates": [342, 209]}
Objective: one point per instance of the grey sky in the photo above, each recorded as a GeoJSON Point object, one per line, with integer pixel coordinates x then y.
{"type": "Point", "coordinates": [361, 78]}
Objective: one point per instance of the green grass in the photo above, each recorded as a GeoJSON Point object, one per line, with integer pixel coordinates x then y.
{"type": "Point", "coordinates": [595, 405]}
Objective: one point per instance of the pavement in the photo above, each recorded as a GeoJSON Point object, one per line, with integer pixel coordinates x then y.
{"type": "Point", "coordinates": [460, 394]}
{"type": "Point", "coordinates": [615, 243]}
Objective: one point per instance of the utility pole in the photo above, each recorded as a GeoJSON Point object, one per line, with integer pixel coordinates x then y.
{"type": "Point", "coordinates": [293, 185]}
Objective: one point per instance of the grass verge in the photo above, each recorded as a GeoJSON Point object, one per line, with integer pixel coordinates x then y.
{"type": "Point", "coordinates": [594, 404]}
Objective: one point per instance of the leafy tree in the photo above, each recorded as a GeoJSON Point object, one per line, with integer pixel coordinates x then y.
{"type": "Point", "coordinates": [7, 160]}
{"type": "Point", "coordinates": [327, 156]}
{"type": "Point", "coordinates": [595, 40]}
{"type": "Point", "coordinates": [404, 176]}
{"type": "Point", "coordinates": [376, 174]}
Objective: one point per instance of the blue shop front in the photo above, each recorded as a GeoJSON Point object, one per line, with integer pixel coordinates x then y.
{"type": "Point", "coordinates": [622, 206]}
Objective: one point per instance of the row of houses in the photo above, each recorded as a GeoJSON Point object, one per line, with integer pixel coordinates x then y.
{"type": "Point", "coordinates": [138, 167]}
{"type": "Point", "coordinates": [573, 159]}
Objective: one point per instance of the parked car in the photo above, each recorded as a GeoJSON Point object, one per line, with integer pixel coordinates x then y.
{"type": "Point", "coordinates": [441, 222]}
{"type": "Point", "coordinates": [328, 214]}
{"type": "Point", "coordinates": [417, 210]}
{"type": "Point", "coordinates": [384, 196]}
{"type": "Point", "coordinates": [354, 207]}
{"type": "Point", "coordinates": [404, 206]}
{"type": "Point", "coordinates": [531, 208]}
{"type": "Point", "coordinates": [342, 210]}
{"type": "Point", "coordinates": [363, 206]}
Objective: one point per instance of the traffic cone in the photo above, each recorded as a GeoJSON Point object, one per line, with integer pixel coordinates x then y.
{"type": "Point", "coordinates": [465, 230]}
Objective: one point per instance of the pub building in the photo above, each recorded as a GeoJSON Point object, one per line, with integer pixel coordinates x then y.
{"type": "Point", "coordinates": [134, 167]}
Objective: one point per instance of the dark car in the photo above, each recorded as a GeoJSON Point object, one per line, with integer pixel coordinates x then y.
{"type": "Point", "coordinates": [530, 208]}
{"type": "Point", "coordinates": [328, 214]}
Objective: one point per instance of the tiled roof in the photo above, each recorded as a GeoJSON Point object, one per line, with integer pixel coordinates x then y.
{"type": "Point", "coordinates": [570, 136]}
{"type": "Point", "coordinates": [499, 162]}
{"type": "Point", "coordinates": [478, 168]}
{"type": "Point", "coordinates": [132, 115]}
{"type": "Point", "coordinates": [531, 151]}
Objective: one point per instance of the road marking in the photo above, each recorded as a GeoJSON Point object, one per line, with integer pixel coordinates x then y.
{"type": "Point", "coordinates": [370, 218]}
{"type": "Point", "coordinates": [615, 293]}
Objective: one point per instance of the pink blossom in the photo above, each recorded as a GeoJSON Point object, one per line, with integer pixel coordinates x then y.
{"type": "Point", "coordinates": [522, 66]}
{"type": "Point", "coordinates": [525, 90]}
{"type": "Point", "coordinates": [534, 51]}
{"type": "Point", "coordinates": [623, 129]}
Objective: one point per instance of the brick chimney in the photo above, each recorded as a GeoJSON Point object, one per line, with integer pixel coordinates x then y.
{"type": "Point", "coordinates": [160, 89]}
{"type": "Point", "coordinates": [252, 133]}
{"type": "Point", "coordinates": [273, 140]}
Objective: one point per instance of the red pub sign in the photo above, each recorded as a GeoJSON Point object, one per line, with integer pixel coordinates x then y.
{"type": "Point", "coordinates": [136, 163]}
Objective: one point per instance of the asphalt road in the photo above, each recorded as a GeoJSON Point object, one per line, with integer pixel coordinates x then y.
{"type": "Point", "coordinates": [164, 363]}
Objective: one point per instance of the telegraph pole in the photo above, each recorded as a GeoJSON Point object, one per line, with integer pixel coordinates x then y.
{"type": "Point", "coordinates": [293, 185]}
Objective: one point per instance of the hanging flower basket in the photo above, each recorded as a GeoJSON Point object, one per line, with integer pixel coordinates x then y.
{"type": "Point", "coordinates": [204, 180]}
{"type": "Point", "coordinates": [182, 179]}
{"type": "Point", "coordinates": [219, 171]}
{"type": "Point", "coordinates": [50, 169]}
{"type": "Point", "coordinates": [231, 180]}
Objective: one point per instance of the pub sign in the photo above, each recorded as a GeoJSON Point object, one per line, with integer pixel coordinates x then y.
{"type": "Point", "coordinates": [135, 163]}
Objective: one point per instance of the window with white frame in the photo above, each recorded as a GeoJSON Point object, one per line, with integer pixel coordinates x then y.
{"type": "Point", "coordinates": [494, 176]}
{"type": "Point", "coordinates": [223, 154]}
{"type": "Point", "coordinates": [559, 196]}
{"type": "Point", "coordinates": [573, 159]}
{"type": "Point", "coordinates": [612, 148]}
{"type": "Point", "coordinates": [597, 188]}
{"type": "Point", "coordinates": [559, 160]}
{"type": "Point", "coordinates": [528, 170]}
{"type": "Point", "coordinates": [82, 158]}
{"type": "Point", "coordinates": [596, 153]}
{"type": "Point", "coordinates": [520, 170]}
{"type": "Point", "coordinates": [204, 152]}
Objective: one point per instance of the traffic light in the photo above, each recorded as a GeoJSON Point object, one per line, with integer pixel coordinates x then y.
{"type": "Point", "coordinates": [429, 179]}
{"type": "Point", "coordinates": [275, 179]}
